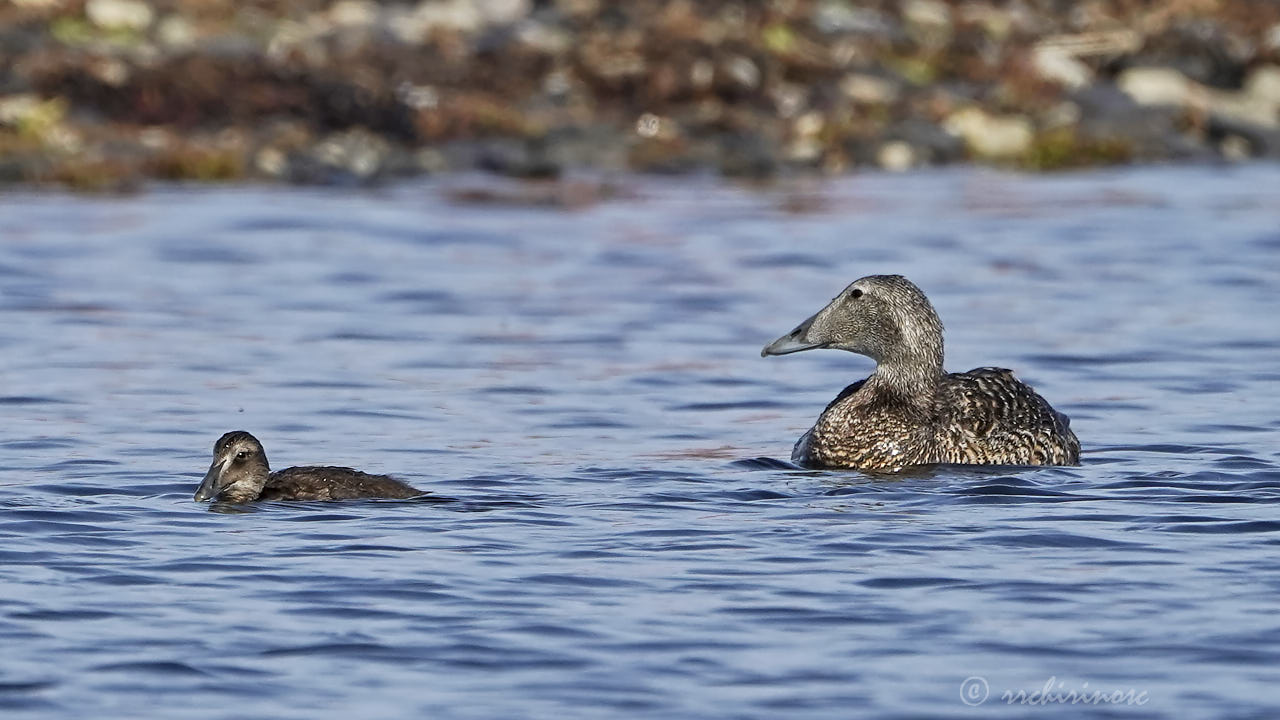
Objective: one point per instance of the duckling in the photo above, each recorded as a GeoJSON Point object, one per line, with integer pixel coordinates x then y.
{"type": "Point", "coordinates": [910, 411]}
{"type": "Point", "coordinates": [240, 473]}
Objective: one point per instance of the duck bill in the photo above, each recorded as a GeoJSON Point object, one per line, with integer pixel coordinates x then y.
{"type": "Point", "coordinates": [211, 485]}
{"type": "Point", "coordinates": [795, 341]}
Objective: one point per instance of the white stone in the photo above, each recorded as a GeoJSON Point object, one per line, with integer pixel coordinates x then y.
{"type": "Point", "coordinates": [155, 138]}
{"type": "Point", "coordinates": [557, 82]}
{"type": "Point", "coordinates": [466, 16]}
{"type": "Point", "coordinates": [175, 32]}
{"type": "Point", "coordinates": [353, 13]}
{"type": "Point", "coordinates": [545, 38]}
{"type": "Point", "coordinates": [1058, 66]}
{"type": "Point", "coordinates": [1263, 84]}
{"type": "Point", "coordinates": [702, 73]}
{"type": "Point", "coordinates": [429, 15]}
{"type": "Point", "coordinates": [809, 124]}
{"type": "Point", "coordinates": [1273, 37]}
{"type": "Point", "coordinates": [271, 162]}
{"type": "Point", "coordinates": [931, 13]}
{"type": "Point", "coordinates": [356, 151]}
{"type": "Point", "coordinates": [15, 109]}
{"type": "Point", "coordinates": [742, 71]}
{"type": "Point", "coordinates": [928, 22]}
{"type": "Point", "coordinates": [868, 89]}
{"type": "Point", "coordinates": [1243, 107]}
{"type": "Point", "coordinates": [110, 71]}
{"type": "Point", "coordinates": [418, 97]}
{"type": "Point", "coordinates": [896, 156]}
{"type": "Point", "coordinates": [63, 139]}
{"type": "Point", "coordinates": [804, 149]}
{"type": "Point", "coordinates": [119, 14]}
{"type": "Point", "coordinates": [789, 99]}
{"type": "Point", "coordinates": [839, 16]}
{"type": "Point", "coordinates": [1157, 86]}
{"type": "Point", "coordinates": [992, 136]}
{"type": "Point", "coordinates": [502, 12]}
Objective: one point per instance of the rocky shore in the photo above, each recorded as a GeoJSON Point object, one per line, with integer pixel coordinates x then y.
{"type": "Point", "coordinates": [105, 94]}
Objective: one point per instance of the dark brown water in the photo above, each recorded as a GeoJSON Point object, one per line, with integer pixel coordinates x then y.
{"type": "Point", "coordinates": [626, 540]}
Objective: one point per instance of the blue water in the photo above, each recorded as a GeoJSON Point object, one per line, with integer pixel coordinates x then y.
{"type": "Point", "coordinates": [625, 538]}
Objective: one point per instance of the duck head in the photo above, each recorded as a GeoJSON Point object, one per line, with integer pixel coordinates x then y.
{"type": "Point", "coordinates": [884, 317]}
{"type": "Point", "coordinates": [239, 470]}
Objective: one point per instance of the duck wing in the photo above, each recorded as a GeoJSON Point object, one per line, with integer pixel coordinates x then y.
{"type": "Point", "coordinates": [991, 417]}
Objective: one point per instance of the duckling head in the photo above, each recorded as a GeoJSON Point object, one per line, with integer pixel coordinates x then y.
{"type": "Point", "coordinates": [884, 317]}
{"type": "Point", "coordinates": [239, 470]}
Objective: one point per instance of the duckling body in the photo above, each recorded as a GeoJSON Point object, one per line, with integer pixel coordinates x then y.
{"type": "Point", "coordinates": [240, 473]}
{"type": "Point", "coordinates": [332, 483]}
{"type": "Point", "coordinates": [911, 412]}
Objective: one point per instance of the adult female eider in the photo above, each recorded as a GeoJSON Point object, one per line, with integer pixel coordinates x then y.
{"type": "Point", "coordinates": [240, 473]}
{"type": "Point", "coordinates": [910, 411]}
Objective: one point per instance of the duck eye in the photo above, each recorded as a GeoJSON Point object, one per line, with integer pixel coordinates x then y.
{"type": "Point", "coordinates": [242, 454]}
{"type": "Point", "coordinates": [856, 293]}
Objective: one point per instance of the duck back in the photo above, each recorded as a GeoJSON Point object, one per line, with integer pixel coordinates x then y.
{"type": "Point", "coordinates": [332, 483]}
{"type": "Point", "coordinates": [992, 418]}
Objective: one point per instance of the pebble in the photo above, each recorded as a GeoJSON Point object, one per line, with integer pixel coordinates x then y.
{"type": "Point", "coordinates": [868, 89]}
{"type": "Point", "coordinates": [1059, 66]}
{"type": "Point", "coordinates": [742, 71]}
{"type": "Point", "coordinates": [1157, 86]}
{"type": "Point", "coordinates": [1264, 84]}
{"type": "Point", "coordinates": [176, 33]}
{"type": "Point", "coordinates": [119, 14]}
{"type": "Point", "coordinates": [991, 136]}
{"type": "Point", "coordinates": [896, 156]}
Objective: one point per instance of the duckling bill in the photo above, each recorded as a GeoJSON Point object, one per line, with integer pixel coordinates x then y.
{"type": "Point", "coordinates": [910, 411]}
{"type": "Point", "coordinates": [240, 474]}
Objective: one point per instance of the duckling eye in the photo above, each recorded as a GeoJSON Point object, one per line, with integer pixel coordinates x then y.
{"type": "Point", "coordinates": [242, 454]}
{"type": "Point", "coordinates": [856, 293]}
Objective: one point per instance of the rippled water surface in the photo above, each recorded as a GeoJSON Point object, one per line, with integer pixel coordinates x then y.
{"type": "Point", "coordinates": [625, 538]}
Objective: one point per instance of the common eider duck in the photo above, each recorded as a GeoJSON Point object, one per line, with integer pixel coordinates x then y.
{"type": "Point", "coordinates": [240, 474]}
{"type": "Point", "coordinates": [910, 411]}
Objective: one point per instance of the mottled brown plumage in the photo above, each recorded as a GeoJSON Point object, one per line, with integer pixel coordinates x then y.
{"type": "Point", "coordinates": [910, 412]}
{"type": "Point", "coordinates": [240, 473]}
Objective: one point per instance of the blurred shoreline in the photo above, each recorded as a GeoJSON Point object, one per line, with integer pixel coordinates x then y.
{"type": "Point", "coordinates": [106, 94]}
